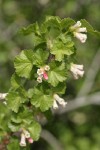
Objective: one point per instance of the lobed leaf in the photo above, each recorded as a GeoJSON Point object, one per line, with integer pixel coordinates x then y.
{"type": "Point", "coordinates": [35, 130]}
{"type": "Point", "coordinates": [56, 74]}
{"type": "Point", "coordinates": [41, 100]}
{"type": "Point", "coordinates": [23, 63]}
{"type": "Point", "coordinates": [90, 29]}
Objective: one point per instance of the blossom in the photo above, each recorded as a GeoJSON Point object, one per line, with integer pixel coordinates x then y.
{"type": "Point", "coordinates": [39, 79]}
{"type": "Point", "coordinates": [45, 75]}
{"type": "Point", "coordinates": [55, 105]}
{"type": "Point", "coordinates": [42, 73]}
{"type": "Point", "coordinates": [58, 100]}
{"type": "Point", "coordinates": [79, 32]}
{"type": "Point", "coordinates": [77, 70]}
{"type": "Point", "coordinates": [46, 68]}
{"type": "Point", "coordinates": [82, 37]}
{"type": "Point", "coordinates": [30, 140]}
{"type": "Point", "coordinates": [23, 140]}
{"type": "Point", "coordinates": [26, 133]}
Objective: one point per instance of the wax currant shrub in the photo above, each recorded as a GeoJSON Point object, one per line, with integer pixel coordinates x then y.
{"type": "Point", "coordinates": [47, 67]}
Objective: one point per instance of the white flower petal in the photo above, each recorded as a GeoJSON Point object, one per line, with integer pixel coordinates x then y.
{"type": "Point", "coordinates": [77, 70]}
{"type": "Point", "coordinates": [55, 105]}
{"type": "Point", "coordinates": [26, 133]}
{"type": "Point", "coordinates": [40, 71]}
{"type": "Point", "coordinates": [81, 29]}
{"type": "Point", "coordinates": [76, 26]}
{"type": "Point", "coordinates": [23, 140]}
{"type": "Point", "coordinates": [80, 73]}
{"type": "Point", "coordinates": [46, 68]}
{"type": "Point", "coordinates": [79, 66]}
{"type": "Point", "coordinates": [39, 79]}
{"type": "Point", "coordinates": [56, 97]}
{"type": "Point", "coordinates": [82, 37]}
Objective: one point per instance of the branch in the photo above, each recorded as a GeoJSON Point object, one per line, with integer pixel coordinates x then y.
{"type": "Point", "coordinates": [47, 136]}
{"type": "Point", "coordinates": [2, 96]}
{"type": "Point", "coordinates": [93, 99]}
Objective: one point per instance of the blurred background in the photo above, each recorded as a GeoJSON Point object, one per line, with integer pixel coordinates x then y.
{"type": "Point", "coordinates": [78, 126]}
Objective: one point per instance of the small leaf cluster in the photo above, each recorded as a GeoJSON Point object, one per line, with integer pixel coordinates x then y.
{"type": "Point", "coordinates": [53, 46]}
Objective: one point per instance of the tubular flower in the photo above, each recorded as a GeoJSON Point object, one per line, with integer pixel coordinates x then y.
{"type": "Point", "coordinates": [45, 76]}
{"type": "Point", "coordinates": [23, 140]}
{"type": "Point", "coordinates": [26, 133]}
{"type": "Point", "coordinates": [77, 70]}
{"type": "Point", "coordinates": [58, 100]}
{"type": "Point", "coordinates": [42, 72]}
{"type": "Point", "coordinates": [30, 140]}
{"type": "Point", "coordinates": [79, 32]}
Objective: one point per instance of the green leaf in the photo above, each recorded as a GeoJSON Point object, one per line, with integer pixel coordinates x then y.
{"type": "Point", "coordinates": [62, 48]}
{"type": "Point", "coordinates": [51, 27]}
{"type": "Point", "coordinates": [14, 100]}
{"type": "Point", "coordinates": [25, 116]}
{"type": "Point", "coordinates": [35, 130]}
{"type": "Point", "coordinates": [5, 114]}
{"type": "Point", "coordinates": [66, 23]}
{"type": "Point", "coordinates": [90, 29]}
{"type": "Point", "coordinates": [51, 21]}
{"type": "Point", "coordinates": [14, 144]}
{"type": "Point", "coordinates": [60, 88]}
{"type": "Point", "coordinates": [33, 28]}
{"type": "Point", "coordinates": [23, 63]}
{"type": "Point", "coordinates": [40, 57]}
{"type": "Point", "coordinates": [15, 81]}
{"type": "Point", "coordinates": [41, 99]}
{"type": "Point", "coordinates": [13, 126]}
{"type": "Point", "coordinates": [56, 74]}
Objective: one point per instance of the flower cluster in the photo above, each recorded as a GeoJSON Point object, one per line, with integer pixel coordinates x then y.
{"type": "Point", "coordinates": [77, 70]}
{"type": "Point", "coordinates": [25, 135]}
{"type": "Point", "coordinates": [79, 31]}
{"type": "Point", "coordinates": [58, 100]}
{"type": "Point", "coordinates": [42, 73]}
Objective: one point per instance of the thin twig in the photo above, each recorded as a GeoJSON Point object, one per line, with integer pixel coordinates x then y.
{"type": "Point", "coordinates": [93, 99]}
{"type": "Point", "coordinates": [47, 136]}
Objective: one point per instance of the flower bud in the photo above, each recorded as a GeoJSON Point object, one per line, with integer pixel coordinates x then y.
{"type": "Point", "coordinates": [30, 140]}
{"type": "Point", "coordinates": [45, 75]}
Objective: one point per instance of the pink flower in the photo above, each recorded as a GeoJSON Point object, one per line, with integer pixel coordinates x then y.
{"type": "Point", "coordinates": [42, 73]}
{"type": "Point", "coordinates": [30, 140]}
{"type": "Point", "coordinates": [45, 75]}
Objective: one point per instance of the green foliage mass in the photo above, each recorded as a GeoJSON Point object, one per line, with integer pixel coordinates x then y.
{"type": "Point", "coordinates": [53, 46]}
